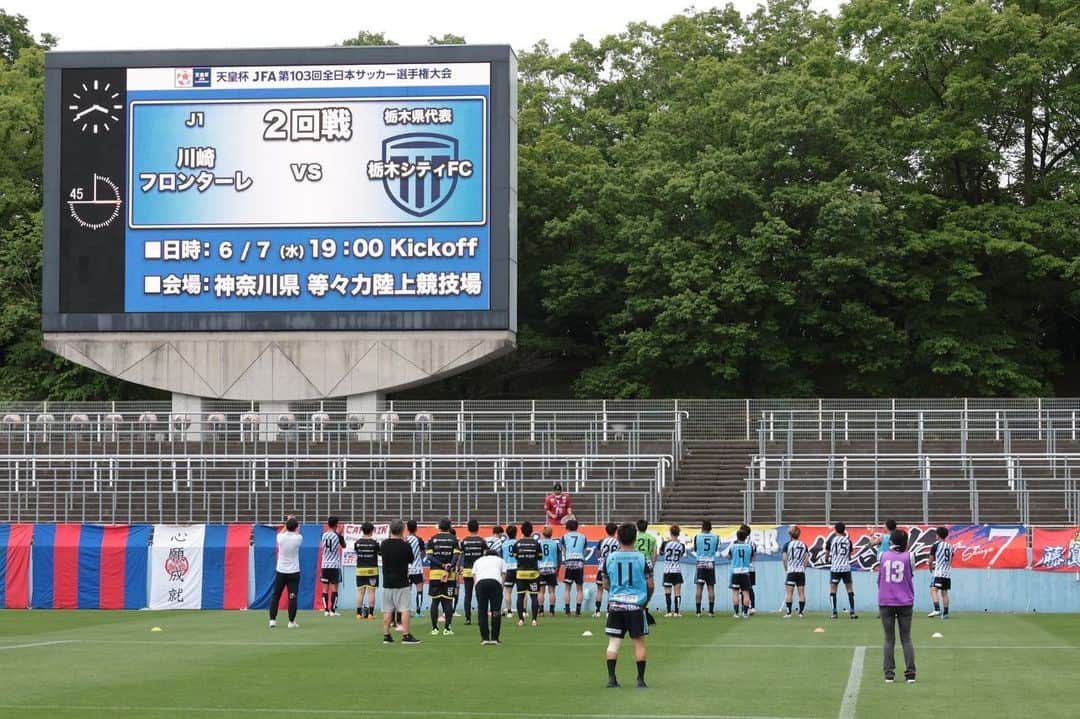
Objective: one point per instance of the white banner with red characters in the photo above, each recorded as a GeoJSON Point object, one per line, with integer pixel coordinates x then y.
{"type": "Point", "coordinates": [176, 566]}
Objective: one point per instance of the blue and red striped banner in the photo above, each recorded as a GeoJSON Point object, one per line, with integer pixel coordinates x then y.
{"type": "Point", "coordinates": [15, 565]}
{"type": "Point", "coordinates": [90, 566]}
{"type": "Point", "coordinates": [225, 566]}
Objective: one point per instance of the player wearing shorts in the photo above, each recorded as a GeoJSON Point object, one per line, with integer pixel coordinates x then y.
{"type": "Point", "coordinates": [704, 549]}
{"type": "Point", "coordinates": [741, 554]}
{"type": "Point", "coordinates": [511, 567]}
{"type": "Point", "coordinates": [332, 543]}
{"type": "Point", "coordinates": [793, 555]}
{"type": "Point", "coordinates": [672, 550]}
{"type": "Point", "coordinates": [607, 545]}
{"type": "Point", "coordinates": [416, 569]}
{"type": "Point", "coordinates": [473, 547]}
{"type": "Point", "coordinates": [443, 553]}
{"type": "Point", "coordinates": [574, 544]}
{"type": "Point", "coordinates": [628, 579]}
{"type": "Point", "coordinates": [753, 573]}
{"type": "Point", "coordinates": [527, 552]}
{"type": "Point", "coordinates": [549, 570]}
{"type": "Point", "coordinates": [838, 555]}
{"type": "Point", "coordinates": [941, 555]}
{"type": "Point", "coordinates": [367, 571]}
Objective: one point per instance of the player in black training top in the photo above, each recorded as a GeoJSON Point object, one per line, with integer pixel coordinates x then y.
{"type": "Point", "coordinates": [443, 553]}
{"type": "Point", "coordinates": [473, 546]}
{"type": "Point", "coordinates": [527, 552]}
{"type": "Point", "coordinates": [367, 571]}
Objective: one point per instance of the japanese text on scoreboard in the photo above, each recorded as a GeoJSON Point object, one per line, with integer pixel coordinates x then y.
{"type": "Point", "coordinates": [338, 188]}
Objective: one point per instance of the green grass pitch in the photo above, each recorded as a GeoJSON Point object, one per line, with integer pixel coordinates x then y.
{"type": "Point", "coordinates": [210, 664]}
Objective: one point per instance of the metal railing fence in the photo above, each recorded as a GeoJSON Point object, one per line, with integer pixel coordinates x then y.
{"type": "Point", "coordinates": [875, 478]}
{"type": "Point", "coordinates": [228, 487]}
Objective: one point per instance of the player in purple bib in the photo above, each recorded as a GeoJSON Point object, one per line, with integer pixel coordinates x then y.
{"type": "Point", "coordinates": [896, 597]}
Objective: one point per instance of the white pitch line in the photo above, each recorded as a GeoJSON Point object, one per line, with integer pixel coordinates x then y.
{"type": "Point", "coordinates": [358, 712]}
{"type": "Point", "coordinates": [287, 643]}
{"type": "Point", "coordinates": [34, 644]}
{"type": "Point", "coordinates": [851, 693]}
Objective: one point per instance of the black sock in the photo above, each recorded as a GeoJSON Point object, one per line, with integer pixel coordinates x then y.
{"type": "Point", "coordinates": [578, 609]}
{"type": "Point", "coordinates": [534, 605]}
{"type": "Point", "coordinates": [833, 598]}
{"type": "Point", "coordinates": [937, 607]}
{"type": "Point", "coordinates": [699, 607]}
{"type": "Point", "coordinates": [598, 593]}
{"type": "Point", "coordinates": [752, 601]}
{"type": "Point", "coordinates": [551, 609]}
{"type": "Point", "coordinates": [419, 601]}
{"type": "Point", "coordinates": [641, 670]}
{"type": "Point", "coordinates": [946, 612]}
{"type": "Point", "coordinates": [667, 600]}
{"type": "Point", "coordinates": [678, 601]}
{"type": "Point", "coordinates": [736, 607]}
{"type": "Point", "coordinates": [788, 605]}
{"type": "Point", "coordinates": [851, 601]}
{"type": "Point", "coordinates": [521, 606]}
{"type": "Point", "coordinates": [712, 606]}
{"type": "Point", "coordinates": [611, 668]}
{"type": "Point", "coordinates": [802, 606]}
{"type": "Point", "coordinates": [566, 607]}
{"type": "Point", "coordinates": [333, 601]}
{"type": "Point", "coordinates": [326, 602]}
{"type": "Point", "coordinates": [359, 611]}
{"type": "Point", "coordinates": [448, 610]}
{"type": "Point", "coordinates": [434, 614]}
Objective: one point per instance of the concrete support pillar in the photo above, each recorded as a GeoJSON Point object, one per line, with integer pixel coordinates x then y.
{"type": "Point", "coordinates": [367, 406]}
{"type": "Point", "coordinates": [268, 422]}
{"type": "Point", "coordinates": [184, 405]}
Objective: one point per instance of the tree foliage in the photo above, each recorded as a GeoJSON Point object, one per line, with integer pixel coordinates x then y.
{"type": "Point", "coordinates": [881, 202]}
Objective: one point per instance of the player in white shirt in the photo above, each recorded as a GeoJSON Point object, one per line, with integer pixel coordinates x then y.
{"type": "Point", "coordinates": [607, 545]}
{"type": "Point", "coordinates": [672, 551]}
{"type": "Point", "coordinates": [332, 543]}
{"type": "Point", "coordinates": [941, 556]}
{"type": "Point", "coordinates": [288, 571]}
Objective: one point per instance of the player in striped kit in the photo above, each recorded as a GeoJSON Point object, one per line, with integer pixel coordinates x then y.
{"type": "Point", "coordinates": [794, 555]}
{"type": "Point", "coordinates": [332, 542]}
{"type": "Point", "coordinates": [672, 551]}
{"type": "Point", "coordinates": [608, 545]}
{"type": "Point", "coordinates": [941, 554]}
{"type": "Point", "coordinates": [838, 554]}
{"type": "Point", "coordinates": [416, 569]}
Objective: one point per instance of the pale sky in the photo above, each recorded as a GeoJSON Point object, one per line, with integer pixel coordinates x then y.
{"type": "Point", "coordinates": [152, 24]}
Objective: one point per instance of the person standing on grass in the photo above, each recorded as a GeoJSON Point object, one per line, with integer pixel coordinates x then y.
{"type": "Point", "coordinates": [941, 554]}
{"type": "Point", "coordinates": [416, 569]}
{"type": "Point", "coordinates": [646, 543]}
{"type": "Point", "coordinates": [673, 550]}
{"type": "Point", "coordinates": [573, 544]}
{"type": "Point", "coordinates": [489, 571]}
{"type": "Point", "coordinates": [741, 553]}
{"type": "Point", "coordinates": [511, 567]}
{"type": "Point", "coordinates": [607, 545]}
{"type": "Point", "coordinates": [367, 571]}
{"type": "Point", "coordinates": [549, 570]}
{"type": "Point", "coordinates": [443, 553]}
{"type": "Point", "coordinates": [705, 548]}
{"type": "Point", "coordinates": [332, 543]}
{"type": "Point", "coordinates": [397, 556]}
{"type": "Point", "coordinates": [287, 574]}
{"type": "Point", "coordinates": [794, 556]}
{"type": "Point", "coordinates": [838, 555]}
{"type": "Point", "coordinates": [882, 540]}
{"type": "Point", "coordinates": [896, 598]}
{"type": "Point", "coordinates": [629, 581]}
{"type": "Point", "coordinates": [527, 552]}
{"type": "Point", "coordinates": [473, 547]}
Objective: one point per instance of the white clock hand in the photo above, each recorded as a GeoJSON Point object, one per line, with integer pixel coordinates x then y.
{"type": "Point", "coordinates": [92, 108]}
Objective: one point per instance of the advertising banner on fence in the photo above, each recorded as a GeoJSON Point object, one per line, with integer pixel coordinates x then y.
{"type": "Point", "coordinates": [977, 546]}
{"type": "Point", "coordinates": [176, 567]}
{"type": "Point", "coordinates": [1055, 550]}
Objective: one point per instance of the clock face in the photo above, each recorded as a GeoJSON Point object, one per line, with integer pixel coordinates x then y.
{"type": "Point", "coordinates": [94, 107]}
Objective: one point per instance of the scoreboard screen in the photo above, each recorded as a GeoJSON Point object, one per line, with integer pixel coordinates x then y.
{"type": "Point", "coordinates": [343, 188]}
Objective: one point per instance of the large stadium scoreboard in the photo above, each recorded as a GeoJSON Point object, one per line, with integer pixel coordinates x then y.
{"type": "Point", "coordinates": [346, 188]}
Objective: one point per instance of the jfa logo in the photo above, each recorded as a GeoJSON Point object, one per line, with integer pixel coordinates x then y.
{"type": "Point", "coordinates": [200, 77]}
{"type": "Point", "coordinates": [182, 77]}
